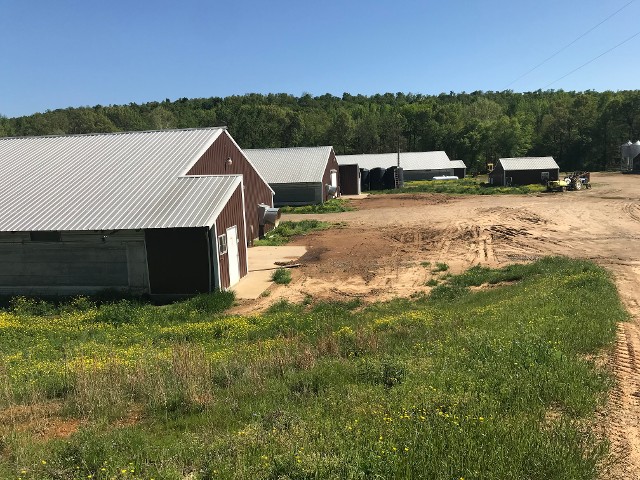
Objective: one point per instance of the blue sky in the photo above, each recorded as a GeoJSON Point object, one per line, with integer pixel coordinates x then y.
{"type": "Point", "coordinates": [70, 53]}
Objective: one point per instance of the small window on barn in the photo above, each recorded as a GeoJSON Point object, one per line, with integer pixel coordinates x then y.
{"type": "Point", "coordinates": [544, 176]}
{"type": "Point", "coordinates": [222, 244]}
{"type": "Point", "coordinates": [44, 236]}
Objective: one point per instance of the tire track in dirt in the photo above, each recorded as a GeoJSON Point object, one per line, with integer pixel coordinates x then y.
{"type": "Point", "coordinates": [632, 210]}
{"type": "Point", "coordinates": [623, 407]}
{"type": "Point", "coordinates": [445, 243]}
{"type": "Point", "coordinates": [480, 246]}
{"type": "Point", "coordinates": [624, 404]}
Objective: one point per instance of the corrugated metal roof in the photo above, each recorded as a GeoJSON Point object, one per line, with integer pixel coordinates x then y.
{"type": "Point", "coordinates": [458, 164]}
{"type": "Point", "coordinates": [408, 160]}
{"type": "Point", "coordinates": [108, 181]}
{"type": "Point", "coordinates": [528, 163]}
{"type": "Point", "coordinates": [290, 165]}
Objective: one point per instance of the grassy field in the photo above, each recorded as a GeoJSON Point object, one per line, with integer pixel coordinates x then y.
{"type": "Point", "coordinates": [330, 206]}
{"type": "Point", "coordinates": [286, 230]}
{"type": "Point", "coordinates": [465, 186]}
{"type": "Point", "coordinates": [464, 383]}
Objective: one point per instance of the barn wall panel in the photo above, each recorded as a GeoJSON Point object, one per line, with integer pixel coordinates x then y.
{"type": "Point", "coordinates": [81, 262]}
{"type": "Point", "coordinates": [528, 177]}
{"type": "Point", "coordinates": [232, 215]}
{"type": "Point", "coordinates": [214, 162]}
{"type": "Point", "coordinates": [178, 260]}
{"type": "Point", "coordinates": [332, 164]}
{"type": "Point", "coordinates": [295, 194]}
{"type": "Point", "coordinates": [496, 176]}
{"type": "Point", "coordinates": [459, 172]}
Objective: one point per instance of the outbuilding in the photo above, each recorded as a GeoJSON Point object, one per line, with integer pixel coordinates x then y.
{"type": "Point", "coordinates": [415, 165]}
{"type": "Point", "coordinates": [298, 175]}
{"type": "Point", "coordinates": [459, 168]}
{"type": "Point", "coordinates": [524, 171]}
{"type": "Point", "coordinates": [162, 212]}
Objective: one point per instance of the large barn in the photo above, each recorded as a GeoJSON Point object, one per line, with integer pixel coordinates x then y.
{"type": "Point", "coordinates": [162, 212]}
{"type": "Point", "coordinates": [415, 165]}
{"type": "Point", "coordinates": [524, 171]}
{"type": "Point", "coordinates": [298, 175]}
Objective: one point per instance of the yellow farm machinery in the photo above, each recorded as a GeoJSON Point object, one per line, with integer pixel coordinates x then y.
{"type": "Point", "coordinates": [571, 181]}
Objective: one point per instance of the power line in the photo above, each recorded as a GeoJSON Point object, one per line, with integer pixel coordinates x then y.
{"type": "Point", "coordinates": [593, 59]}
{"type": "Point", "coordinates": [569, 44]}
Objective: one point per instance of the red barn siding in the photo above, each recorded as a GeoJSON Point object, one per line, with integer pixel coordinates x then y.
{"type": "Point", "coordinates": [232, 215]}
{"type": "Point", "coordinates": [214, 162]}
{"type": "Point", "coordinates": [332, 164]}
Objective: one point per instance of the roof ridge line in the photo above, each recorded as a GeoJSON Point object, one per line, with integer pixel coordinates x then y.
{"type": "Point", "coordinates": [128, 132]}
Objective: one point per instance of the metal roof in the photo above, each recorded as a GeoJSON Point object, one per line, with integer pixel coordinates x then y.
{"type": "Point", "coordinates": [290, 165]}
{"type": "Point", "coordinates": [109, 181]}
{"type": "Point", "coordinates": [458, 164]}
{"type": "Point", "coordinates": [528, 163]}
{"type": "Point", "coordinates": [408, 160]}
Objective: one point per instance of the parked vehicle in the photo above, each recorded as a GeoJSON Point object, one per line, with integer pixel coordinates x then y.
{"type": "Point", "coordinates": [572, 181]}
{"type": "Point", "coordinates": [557, 186]}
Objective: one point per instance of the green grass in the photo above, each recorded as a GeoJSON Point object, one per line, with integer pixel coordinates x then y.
{"type": "Point", "coordinates": [440, 267]}
{"type": "Point", "coordinates": [464, 186]}
{"type": "Point", "coordinates": [330, 206]}
{"type": "Point", "coordinates": [285, 231]}
{"type": "Point", "coordinates": [281, 276]}
{"type": "Point", "coordinates": [486, 384]}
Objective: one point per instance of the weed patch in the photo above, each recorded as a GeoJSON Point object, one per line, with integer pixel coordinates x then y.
{"type": "Point", "coordinates": [465, 186]}
{"type": "Point", "coordinates": [440, 267]}
{"type": "Point", "coordinates": [281, 276]}
{"type": "Point", "coordinates": [284, 232]}
{"type": "Point", "coordinates": [334, 205]}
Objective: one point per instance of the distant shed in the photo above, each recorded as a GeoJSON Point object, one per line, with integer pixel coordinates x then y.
{"type": "Point", "coordinates": [415, 165]}
{"type": "Point", "coordinates": [298, 175]}
{"type": "Point", "coordinates": [123, 211]}
{"type": "Point", "coordinates": [524, 171]}
{"type": "Point", "coordinates": [459, 168]}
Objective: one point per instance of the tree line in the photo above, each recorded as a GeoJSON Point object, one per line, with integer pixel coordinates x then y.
{"type": "Point", "coordinates": [581, 130]}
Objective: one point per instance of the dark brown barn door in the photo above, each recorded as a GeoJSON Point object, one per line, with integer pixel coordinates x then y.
{"type": "Point", "coordinates": [178, 260]}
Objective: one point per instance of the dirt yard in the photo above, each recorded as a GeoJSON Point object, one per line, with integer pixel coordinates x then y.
{"type": "Point", "coordinates": [392, 244]}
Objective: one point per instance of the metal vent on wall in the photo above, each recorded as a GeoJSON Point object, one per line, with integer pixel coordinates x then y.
{"type": "Point", "coordinates": [268, 215]}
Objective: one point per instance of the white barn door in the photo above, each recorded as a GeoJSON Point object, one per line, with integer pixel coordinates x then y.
{"type": "Point", "coordinates": [234, 255]}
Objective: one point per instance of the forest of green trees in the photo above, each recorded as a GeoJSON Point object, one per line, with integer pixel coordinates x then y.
{"type": "Point", "coordinates": [579, 129]}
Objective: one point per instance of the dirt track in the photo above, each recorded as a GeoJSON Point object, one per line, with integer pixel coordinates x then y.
{"type": "Point", "coordinates": [379, 254]}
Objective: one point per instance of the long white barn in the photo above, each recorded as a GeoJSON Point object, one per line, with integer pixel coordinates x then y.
{"type": "Point", "coordinates": [416, 165]}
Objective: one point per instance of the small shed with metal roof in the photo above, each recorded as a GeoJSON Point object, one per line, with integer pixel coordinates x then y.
{"type": "Point", "coordinates": [143, 212]}
{"type": "Point", "coordinates": [459, 168]}
{"type": "Point", "coordinates": [298, 175]}
{"type": "Point", "coordinates": [524, 171]}
{"type": "Point", "coordinates": [415, 165]}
